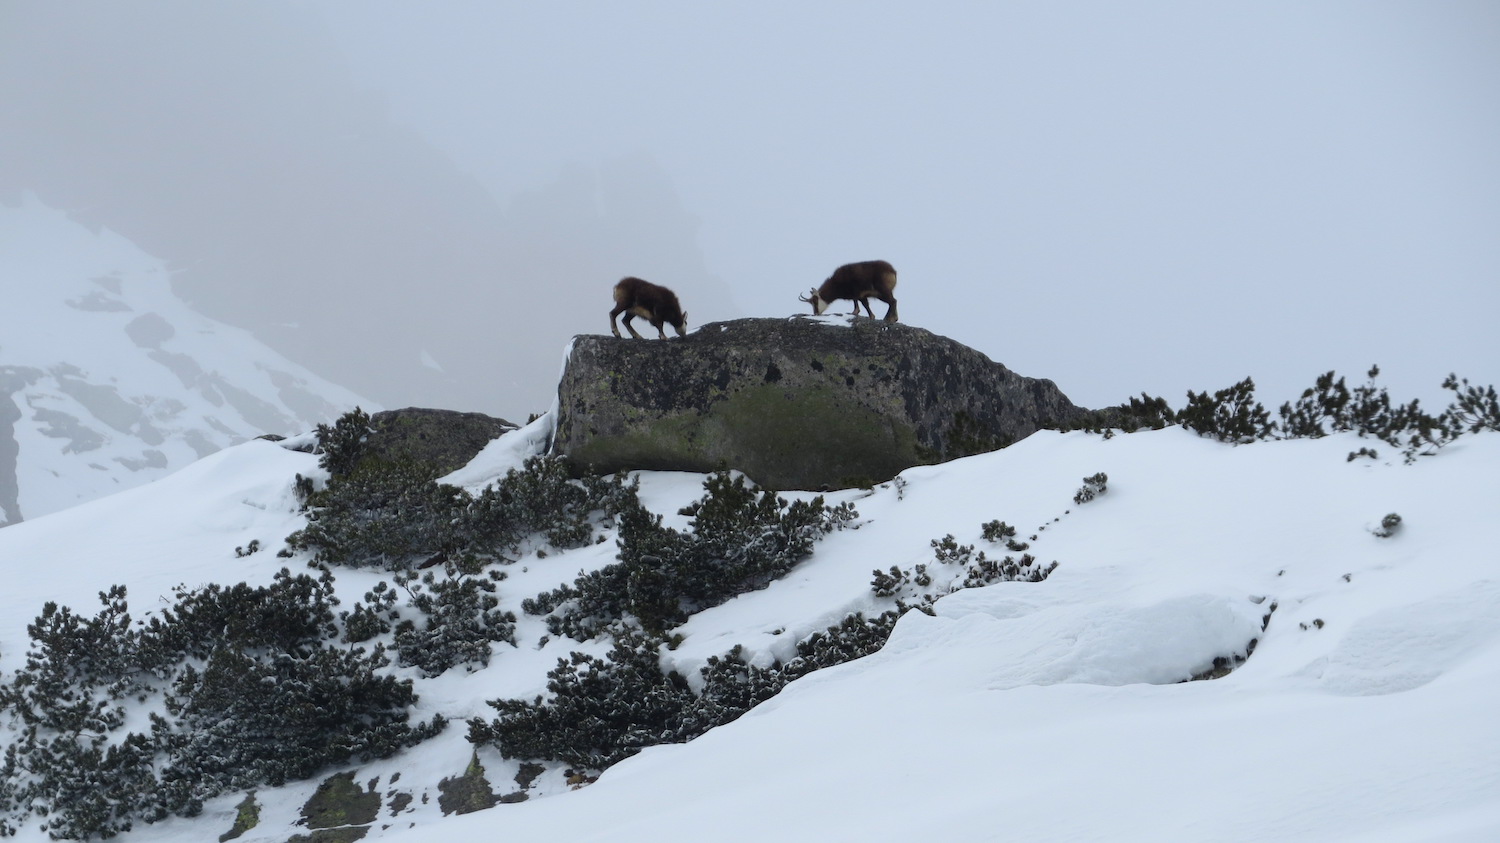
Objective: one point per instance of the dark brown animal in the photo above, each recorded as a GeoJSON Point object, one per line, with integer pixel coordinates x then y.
{"type": "Point", "coordinates": [860, 282]}
{"type": "Point", "coordinates": [655, 304]}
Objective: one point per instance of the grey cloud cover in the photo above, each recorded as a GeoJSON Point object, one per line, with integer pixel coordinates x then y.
{"type": "Point", "coordinates": [1119, 197]}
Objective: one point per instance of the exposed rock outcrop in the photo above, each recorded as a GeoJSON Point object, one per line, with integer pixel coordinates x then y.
{"type": "Point", "coordinates": [798, 403]}
{"type": "Point", "coordinates": [445, 440]}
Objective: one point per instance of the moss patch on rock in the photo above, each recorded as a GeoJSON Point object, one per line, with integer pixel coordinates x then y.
{"type": "Point", "coordinates": [340, 804]}
{"type": "Point", "coordinates": [247, 816]}
{"type": "Point", "coordinates": [332, 835]}
{"type": "Point", "coordinates": [466, 793]}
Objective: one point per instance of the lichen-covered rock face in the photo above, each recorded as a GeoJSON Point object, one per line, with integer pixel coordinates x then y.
{"type": "Point", "coordinates": [798, 403]}
{"type": "Point", "coordinates": [445, 440]}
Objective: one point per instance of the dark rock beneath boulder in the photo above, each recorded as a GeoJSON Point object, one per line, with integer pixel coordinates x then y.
{"type": "Point", "coordinates": [467, 793]}
{"type": "Point", "coordinates": [339, 811]}
{"type": "Point", "coordinates": [444, 440]}
{"type": "Point", "coordinates": [797, 403]}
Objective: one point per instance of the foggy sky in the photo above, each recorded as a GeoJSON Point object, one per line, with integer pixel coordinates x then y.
{"type": "Point", "coordinates": [1120, 197]}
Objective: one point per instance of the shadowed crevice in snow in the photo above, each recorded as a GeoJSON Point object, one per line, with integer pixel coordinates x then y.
{"type": "Point", "coordinates": [1225, 665]}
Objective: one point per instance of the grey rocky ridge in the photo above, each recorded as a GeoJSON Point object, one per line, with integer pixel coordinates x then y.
{"type": "Point", "coordinates": [796, 403]}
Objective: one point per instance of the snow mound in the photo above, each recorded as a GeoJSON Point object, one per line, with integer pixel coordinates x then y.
{"type": "Point", "coordinates": [1407, 647]}
{"type": "Point", "coordinates": [1110, 644]}
{"type": "Point", "coordinates": [505, 453]}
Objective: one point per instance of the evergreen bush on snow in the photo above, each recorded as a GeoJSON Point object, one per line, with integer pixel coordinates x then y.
{"type": "Point", "coordinates": [1229, 415]}
{"type": "Point", "coordinates": [461, 618]}
{"type": "Point", "coordinates": [64, 704]}
{"type": "Point", "coordinates": [1473, 409]}
{"type": "Point", "coordinates": [1093, 486]}
{"type": "Point", "coordinates": [341, 444]}
{"type": "Point", "coordinates": [258, 718]}
{"type": "Point", "coordinates": [600, 711]}
{"type": "Point", "coordinates": [242, 686]}
{"type": "Point", "coordinates": [373, 617]}
{"type": "Point", "coordinates": [1369, 411]}
{"type": "Point", "coordinates": [739, 540]}
{"type": "Point", "coordinates": [386, 515]}
{"type": "Point", "coordinates": [395, 516]}
{"type": "Point", "coordinates": [1144, 413]}
{"type": "Point", "coordinates": [1331, 406]}
{"type": "Point", "coordinates": [975, 570]}
{"type": "Point", "coordinates": [541, 499]}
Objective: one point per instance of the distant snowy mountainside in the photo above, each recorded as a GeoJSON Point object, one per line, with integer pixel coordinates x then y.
{"type": "Point", "coordinates": [108, 380]}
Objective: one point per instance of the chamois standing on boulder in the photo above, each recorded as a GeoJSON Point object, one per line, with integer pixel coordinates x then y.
{"type": "Point", "coordinates": [654, 303]}
{"type": "Point", "coordinates": [859, 282]}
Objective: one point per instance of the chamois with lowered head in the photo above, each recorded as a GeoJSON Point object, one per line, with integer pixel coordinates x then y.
{"type": "Point", "coordinates": [860, 282]}
{"type": "Point", "coordinates": [652, 302]}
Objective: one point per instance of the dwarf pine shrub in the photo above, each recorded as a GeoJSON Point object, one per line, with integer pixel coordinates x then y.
{"type": "Point", "coordinates": [1229, 415]}
{"type": "Point", "coordinates": [1325, 403]}
{"type": "Point", "coordinates": [974, 569]}
{"type": "Point", "coordinates": [1368, 411]}
{"type": "Point", "coordinates": [1093, 486]}
{"type": "Point", "coordinates": [599, 711]}
{"type": "Point", "coordinates": [395, 516]}
{"type": "Point", "coordinates": [1143, 413]}
{"type": "Point", "coordinates": [242, 686]}
{"type": "Point", "coordinates": [1473, 408]}
{"type": "Point", "coordinates": [740, 539]}
{"type": "Point", "coordinates": [385, 515]}
{"type": "Point", "coordinates": [1329, 406]}
{"type": "Point", "coordinates": [461, 618]}
{"type": "Point", "coordinates": [342, 444]}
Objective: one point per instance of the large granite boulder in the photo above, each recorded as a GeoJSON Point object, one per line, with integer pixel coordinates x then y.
{"type": "Point", "coordinates": [440, 440]}
{"type": "Point", "coordinates": [797, 403]}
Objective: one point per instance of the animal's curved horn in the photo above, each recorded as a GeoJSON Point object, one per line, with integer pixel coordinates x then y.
{"type": "Point", "coordinates": [812, 293]}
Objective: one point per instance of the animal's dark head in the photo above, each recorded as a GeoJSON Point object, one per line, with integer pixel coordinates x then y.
{"type": "Point", "coordinates": [817, 302]}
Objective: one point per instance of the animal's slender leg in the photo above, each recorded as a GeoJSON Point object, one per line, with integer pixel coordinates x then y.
{"type": "Point", "coordinates": [631, 328]}
{"type": "Point", "coordinates": [614, 313]}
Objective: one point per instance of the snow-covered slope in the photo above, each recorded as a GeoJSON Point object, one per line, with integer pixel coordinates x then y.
{"type": "Point", "coordinates": [1020, 711]}
{"type": "Point", "coordinates": [1050, 711]}
{"type": "Point", "coordinates": [107, 380]}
